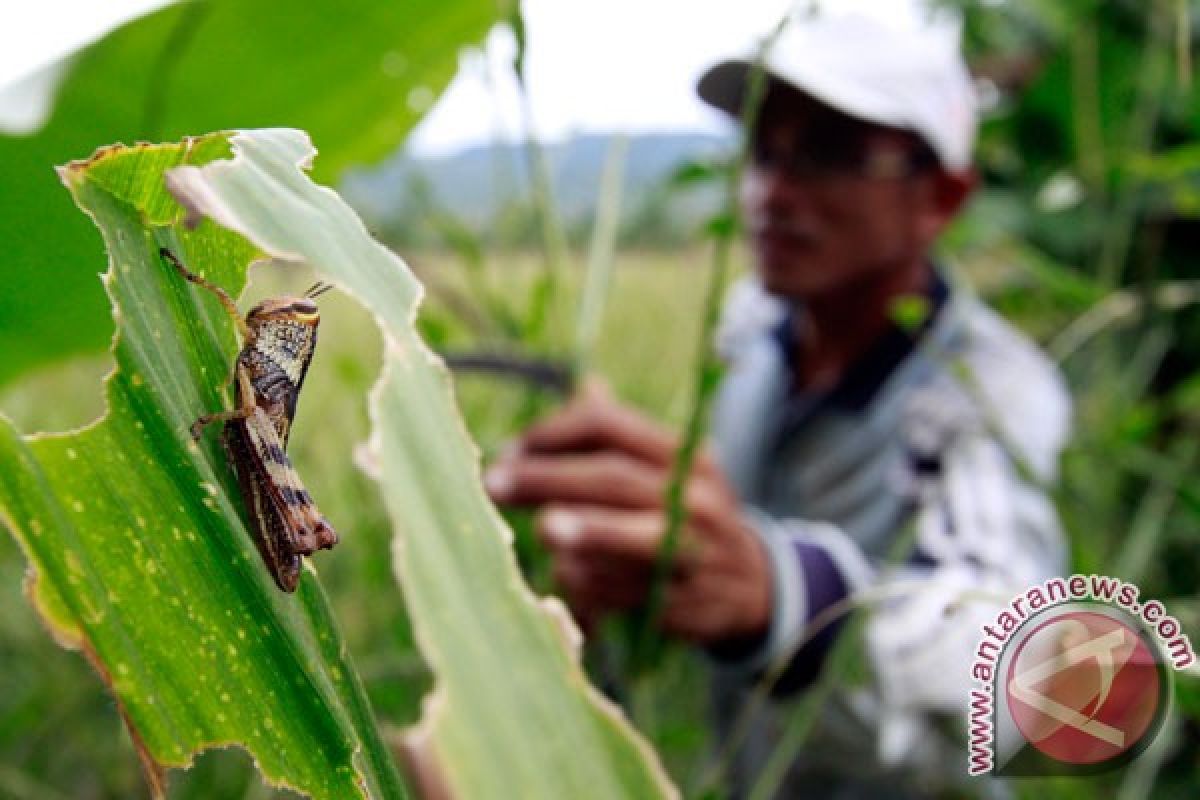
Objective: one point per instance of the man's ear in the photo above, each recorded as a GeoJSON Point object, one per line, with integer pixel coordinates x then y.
{"type": "Point", "coordinates": [948, 193]}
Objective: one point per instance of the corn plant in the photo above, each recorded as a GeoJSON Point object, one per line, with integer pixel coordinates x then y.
{"type": "Point", "coordinates": [139, 548]}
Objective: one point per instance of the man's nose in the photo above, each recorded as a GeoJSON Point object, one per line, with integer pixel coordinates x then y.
{"type": "Point", "coordinates": [771, 189]}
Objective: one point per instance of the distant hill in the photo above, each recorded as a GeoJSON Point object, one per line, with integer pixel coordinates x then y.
{"type": "Point", "coordinates": [480, 185]}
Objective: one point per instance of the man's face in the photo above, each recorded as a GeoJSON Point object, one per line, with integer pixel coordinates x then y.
{"type": "Point", "coordinates": [831, 202]}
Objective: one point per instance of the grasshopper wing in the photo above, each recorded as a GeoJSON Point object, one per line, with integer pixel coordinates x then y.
{"type": "Point", "coordinates": [309, 531]}
{"type": "Point", "coordinates": [285, 522]}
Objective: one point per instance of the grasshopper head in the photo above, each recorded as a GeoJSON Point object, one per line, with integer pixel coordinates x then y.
{"type": "Point", "coordinates": [296, 313]}
{"type": "Point", "coordinates": [301, 310]}
{"type": "Point", "coordinates": [284, 331]}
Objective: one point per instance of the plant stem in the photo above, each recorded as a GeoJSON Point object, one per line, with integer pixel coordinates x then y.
{"type": "Point", "coordinates": [1088, 123]}
{"type": "Point", "coordinates": [554, 241]}
{"type": "Point", "coordinates": [1139, 138]}
{"type": "Point", "coordinates": [1183, 44]}
{"type": "Point", "coordinates": [706, 372]}
{"type": "Point", "coordinates": [598, 276]}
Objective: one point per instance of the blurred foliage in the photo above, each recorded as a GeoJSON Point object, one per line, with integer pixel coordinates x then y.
{"type": "Point", "coordinates": [1086, 233]}
{"type": "Point", "coordinates": [357, 77]}
{"type": "Point", "coordinates": [1083, 232]}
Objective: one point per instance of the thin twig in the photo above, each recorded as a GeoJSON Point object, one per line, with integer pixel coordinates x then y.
{"type": "Point", "coordinates": [1143, 121]}
{"type": "Point", "coordinates": [542, 373]}
{"type": "Point", "coordinates": [1118, 307]}
{"type": "Point", "coordinates": [1183, 44]}
{"type": "Point", "coordinates": [1152, 512]}
{"type": "Point", "coordinates": [598, 276]}
{"type": "Point", "coordinates": [1086, 117]}
{"type": "Point", "coordinates": [858, 601]}
{"type": "Point", "coordinates": [554, 241]}
{"type": "Point", "coordinates": [461, 304]}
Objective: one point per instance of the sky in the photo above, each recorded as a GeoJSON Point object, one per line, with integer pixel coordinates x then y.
{"type": "Point", "coordinates": [594, 65]}
{"type": "Point", "coordinates": [597, 66]}
{"type": "Point", "coordinates": [604, 65]}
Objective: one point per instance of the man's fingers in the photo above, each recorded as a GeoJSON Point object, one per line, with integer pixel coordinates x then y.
{"type": "Point", "coordinates": [597, 588]}
{"type": "Point", "coordinates": [599, 478]}
{"type": "Point", "coordinates": [608, 572]}
{"type": "Point", "coordinates": [594, 389]}
{"type": "Point", "coordinates": [602, 533]}
{"type": "Point", "coordinates": [596, 422]}
{"type": "Point", "coordinates": [603, 478]}
{"type": "Point", "coordinates": [604, 559]}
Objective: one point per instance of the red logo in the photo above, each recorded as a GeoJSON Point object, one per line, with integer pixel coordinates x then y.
{"type": "Point", "coordinates": [1085, 688]}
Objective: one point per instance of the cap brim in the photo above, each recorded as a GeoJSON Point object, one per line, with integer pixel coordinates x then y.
{"type": "Point", "coordinates": [723, 86]}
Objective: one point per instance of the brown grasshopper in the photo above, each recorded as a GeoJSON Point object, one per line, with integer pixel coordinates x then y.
{"type": "Point", "coordinates": [278, 337]}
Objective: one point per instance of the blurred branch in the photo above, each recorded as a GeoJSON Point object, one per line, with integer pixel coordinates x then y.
{"type": "Point", "coordinates": [1183, 44]}
{"type": "Point", "coordinates": [759, 695]}
{"type": "Point", "coordinates": [550, 375]}
{"type": "Point", "coordinates": [480, 307]}
{"type": "Point", "coordinates": [1152, 512]}
{"type": "Point", "coordinates": [1066, 284]}
{"type": "Point", "coordinates": [1138, 779]}
{"type": "Point", "coordinates": [504, 175]}
{"type": "Point", "coordinates": [1086, 117]}
{"type": "Point", "coordinates": [1120, 307]}
{"type": "Point", "coordinates": [598, 277]}
{"type": "Point", "coordinates": [1139, 138]}
{"type": "Point", "coordinates": [554, 240]}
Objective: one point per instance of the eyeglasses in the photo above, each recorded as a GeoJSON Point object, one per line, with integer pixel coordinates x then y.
{"type": "Point", "coordinates": [832, 151]}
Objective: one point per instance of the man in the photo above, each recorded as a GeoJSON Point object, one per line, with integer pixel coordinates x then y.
{"type": "Point", "coordinates": [880, 438]}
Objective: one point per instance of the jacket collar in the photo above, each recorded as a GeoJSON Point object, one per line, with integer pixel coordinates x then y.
{"type": "Point", "coordinates": [863, 379]}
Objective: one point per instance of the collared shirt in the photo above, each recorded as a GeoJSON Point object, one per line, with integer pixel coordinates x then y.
{"type": "Point", "coordinates": [952, 431]}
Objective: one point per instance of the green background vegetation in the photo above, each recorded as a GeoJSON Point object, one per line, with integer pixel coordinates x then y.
{"type": "Point", "coordinates": [1086, 235]}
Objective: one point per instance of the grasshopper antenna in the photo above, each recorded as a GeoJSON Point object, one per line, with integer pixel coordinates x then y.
{"type": "Point", "coordinates": [317, 289]}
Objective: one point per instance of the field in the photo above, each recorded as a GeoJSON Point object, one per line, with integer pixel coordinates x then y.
{"type": "Point", "coordinates": [645, 349]}
{"type": "Point", "coordinates": [1083, 232]}
{"type": "Point", "coordinates": [63, 738]}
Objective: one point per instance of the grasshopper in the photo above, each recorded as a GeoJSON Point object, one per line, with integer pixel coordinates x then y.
{"type": "Point", "coordinates": [278, 338]}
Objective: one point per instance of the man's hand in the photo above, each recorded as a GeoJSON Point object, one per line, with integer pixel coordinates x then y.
{"type": "Point", "coordinates": [598, 472]}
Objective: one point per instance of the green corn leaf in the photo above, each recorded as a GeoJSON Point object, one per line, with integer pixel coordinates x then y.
{"type": "Point", "coordinates": [356, 76]}
{"type": "Point", "coordinates": [512, 714]}
{"type": "Point", "coordinates": [141, 557]}
{"type": "Point", "coordinates": [138, 552]}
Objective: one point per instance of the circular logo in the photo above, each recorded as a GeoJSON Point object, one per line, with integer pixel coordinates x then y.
{"type": "Point", "coordinates": [1086, 688]}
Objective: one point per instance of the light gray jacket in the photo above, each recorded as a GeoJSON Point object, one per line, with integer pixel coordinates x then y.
{"type": "Point", "coordinates": [955, 440]}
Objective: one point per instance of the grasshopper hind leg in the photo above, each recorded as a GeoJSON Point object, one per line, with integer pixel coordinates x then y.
{"type": "Point", "coordinates": [287, 576]}
{"type": "Point", "coordinates": [205, 420]}
{"type": "Point", "coordinates": [245, 390]}
{"type": "Point", "coordinates": [222, 295]}
{"type": "Point", "coordinates": [325, 534]}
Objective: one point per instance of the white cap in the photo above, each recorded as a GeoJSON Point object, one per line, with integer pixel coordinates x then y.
{"type": "Point", "coordinates": [902, 76]}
